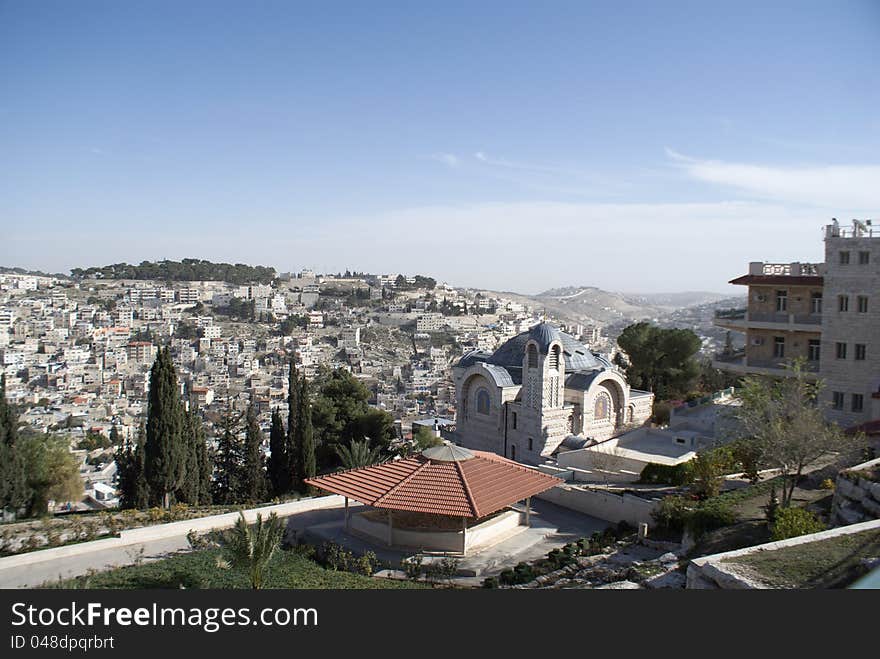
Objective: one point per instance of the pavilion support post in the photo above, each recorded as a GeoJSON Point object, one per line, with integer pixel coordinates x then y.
{"type": "Point", "coordinates": [347, 513]}
{"type": "Point", "coordinates": [390, 529]}
{"type": "Point", "coordinates": [528, 511]}
{"type": "Point", "coordinates": [464, 535]}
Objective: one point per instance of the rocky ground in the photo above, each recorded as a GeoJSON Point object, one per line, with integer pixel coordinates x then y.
{"type": "Point", "coordinates": [622, 565]}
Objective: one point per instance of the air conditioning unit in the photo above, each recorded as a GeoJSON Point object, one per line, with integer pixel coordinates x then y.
{"type": "Point", "coordinates": [760, 297]}
{"type": "Point", "coordinates": [757, 341]}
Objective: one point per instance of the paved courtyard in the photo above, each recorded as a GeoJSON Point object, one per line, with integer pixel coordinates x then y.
{"type": "Point", "coordinates": [551, 526]}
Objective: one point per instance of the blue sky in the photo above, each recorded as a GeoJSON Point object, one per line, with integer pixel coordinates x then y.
{"type": "Point", "coordinates": [636, 146]}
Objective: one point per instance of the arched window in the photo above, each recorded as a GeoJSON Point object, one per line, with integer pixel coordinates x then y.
{"type": "Point", "coordinates": [533, 356]}
{"type": "Point", "coordinates": [483, 401]}
{"type": "Point", "coordinates": [554, 357]}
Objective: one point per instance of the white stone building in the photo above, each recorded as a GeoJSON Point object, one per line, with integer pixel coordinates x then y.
{"type": "Point", "coordinates": [850, 356]}
{"type": "Point", "coordinates": [535, 390]}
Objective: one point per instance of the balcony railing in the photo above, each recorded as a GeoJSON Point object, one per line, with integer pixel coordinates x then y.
{"type": "Point", "coordinates": [787, 269]}
{"type": "Point", "coordinates": [781, 364]}
{"type": "Point", "coordinates": [777, 318]}
{"type": "Point", "coordinates": [730, 314]}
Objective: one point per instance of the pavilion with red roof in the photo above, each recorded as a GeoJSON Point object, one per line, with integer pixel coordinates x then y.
{"type": "Point", "coordinates": [446, 498]}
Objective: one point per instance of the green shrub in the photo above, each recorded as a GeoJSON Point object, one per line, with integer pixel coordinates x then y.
{"type": "Point", "coordinates": [672, 514]}
{"type": "Point", "coordinates": [490, 582]}
{"type": "Point", "coordinates": [710, 515]}
{"type": "Point", "coordinates": [792, 522]}
{"type": "Point", "coordinates": [680, 474]}
{"type": "Point", "coordinates": [624, 529]}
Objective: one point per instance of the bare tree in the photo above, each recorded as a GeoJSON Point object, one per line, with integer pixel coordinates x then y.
{"type": "Point", "coordinates": [783, 422]}
{"type": "Point", "coordinates": [606, 458]}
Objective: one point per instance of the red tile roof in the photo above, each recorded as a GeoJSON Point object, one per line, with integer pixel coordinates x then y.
{"type": "Point", "coordinates": [476, 487]}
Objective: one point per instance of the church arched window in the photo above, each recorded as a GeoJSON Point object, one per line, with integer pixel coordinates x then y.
{"type": "Point", "coordinates": [483, 401]}
{"type": "Point", "coordinates": [533, 356]}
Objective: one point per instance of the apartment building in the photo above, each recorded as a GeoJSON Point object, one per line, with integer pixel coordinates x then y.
{"type": "Point", "coordinates": [825, 313]}
{"type": "Point", "coordinates": [850, 361]}
{"type": "Point", "coordinates": [782, 320]}
{"type": "Point", "coordinates": [140, 352]}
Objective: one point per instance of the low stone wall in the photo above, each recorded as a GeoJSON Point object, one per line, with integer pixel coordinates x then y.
{"type": "Point", "coordinates": [140, 537]}
{"type": "Point", "coordinates": [856, 499]}
{"type": "Point", "coordinates": [711, 572]}
{"type": "Point", "coordinates": [609, 506]}
{"type": "Point", "coordinates": [499, 527]}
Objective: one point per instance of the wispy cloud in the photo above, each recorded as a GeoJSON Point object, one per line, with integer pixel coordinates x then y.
{"type": "Point", "coordinates": [849, 187]}
{"type": "Point", "coordinates": [448, 159]}
{"type": "Point", "coordinates": [539, 177]}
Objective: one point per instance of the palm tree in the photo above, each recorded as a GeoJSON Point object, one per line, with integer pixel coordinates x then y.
{"type": "Point", "coordinates": [359, 454]}
{"type": "Point", "coordinates": [252, 547]}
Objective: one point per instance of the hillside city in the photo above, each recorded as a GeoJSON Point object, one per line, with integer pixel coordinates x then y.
{"type": "Point", "coordinates": [77, 352]}
{"type": "Point", "coordinates": [637, 441]}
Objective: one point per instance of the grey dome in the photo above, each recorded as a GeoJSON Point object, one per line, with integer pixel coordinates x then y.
{"type": "Point", "coordinates": [577, 356]}
{"type": "Point", "coordinates": [447, 453]}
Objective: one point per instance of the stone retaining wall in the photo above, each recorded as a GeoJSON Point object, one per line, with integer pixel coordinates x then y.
{"type": "Point", "coordinates": [856, 499]}
{"type": "Point", "coordinates": [711, 572]}
{"type": "Point", "coordinates": [610, 506]}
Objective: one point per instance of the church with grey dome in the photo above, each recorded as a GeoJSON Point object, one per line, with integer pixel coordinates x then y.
{"type": "Point", "coordinates": [539, 389]}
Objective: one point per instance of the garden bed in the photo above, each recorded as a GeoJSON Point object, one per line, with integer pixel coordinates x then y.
{"type": "Point", "coordinates": [832, 563]}
{"type": "Point", "coordinates": [200, 569]}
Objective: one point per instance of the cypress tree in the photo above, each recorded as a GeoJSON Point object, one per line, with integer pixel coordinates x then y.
{"type": "Point", "coordinates": [130, 466]}
{"type": "Point", "coordinates": [205, 465]}
{"type": "Point", "coordinates": [229, 462]}
{"type": "Point", "coordinates": [278, 465]}
{"type": "Point", "coordinates": [305, 436]}
{"type": "Point", "coordinates": [114, 436]}
{"type": "Point", "coordinates": [188, 492]}
{"type": "Point", "coordinates": [254, 472]}
{"type": "Point", "coordinates": [292, 448]}
{"type": "Point", "coordinates": [13, 482]}
{"type": "Point", "coordinates": [165, 446]}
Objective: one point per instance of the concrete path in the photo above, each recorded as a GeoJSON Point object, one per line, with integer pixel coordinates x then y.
{"type": "Point", "coordinates": [134, 545]}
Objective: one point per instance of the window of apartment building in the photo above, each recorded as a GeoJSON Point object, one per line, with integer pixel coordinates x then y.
{"type": "Point", "coordinates": [816, 303]}
{"type": "Point", "coordinates": [843, 302]}
{"type": "Point", "coordinates": [514, 420]}
{"type": "Point", "coordinates": [530, 443]}
{"type": "Point", "coordinates": [861, 351]}
{"type": "Point", "coordinates": [779, 346]}
{"type": "Point", "coordinates": [844, 258]}
{"type": "Point", "coordinates": [781, 300]}
{"type": "Point", "coordinates": [864, 258]}
{"type": "Point", "coordinates": [862, 303]}
{"type": "Point", "coordinates": [841, 350]}
{"type": "Point", "coordinates": [858, 402]}
{"type": "Point", "coordinates": [813, 350]}
{"type": "Point", "coordinates": [513, 450]}
{"type": "Point", "coordinates": [837, 400]}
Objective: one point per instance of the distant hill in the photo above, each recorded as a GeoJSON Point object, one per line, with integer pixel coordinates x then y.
{"type": "Point", "coordinates": [185, 270]}
{"type": "Point", "coordinates": [35, 273]}
{"type": "Point", "coordinates": [614, 311]}
{"type": "Point", "coordinates": [675, 300]}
